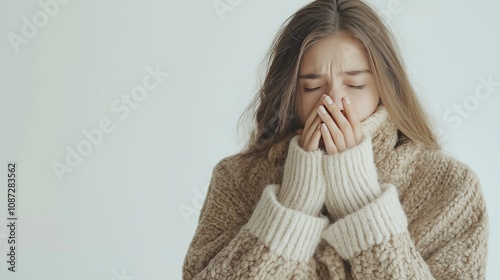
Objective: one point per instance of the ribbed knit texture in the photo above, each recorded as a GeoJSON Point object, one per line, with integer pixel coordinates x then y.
{"type": "Point", "coordinates": [303, 187]}
{"type": "Point", "coordinates": [399, 212]}
{"type": "Point", "coordinates": [372, 223]}
{"type": "Point", "coordinates": [286, 232]}
{"type": "Point", "coordinates": [351, 178]}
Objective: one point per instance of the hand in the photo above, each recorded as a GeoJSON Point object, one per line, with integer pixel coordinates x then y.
{"type": "Point", "coordinates": [349, 168]}
{"type": "Point", "coordinates": [341, 132]}
{"type": "Point", "coordinates": [310, 135]}
{"type": "Point", "coordinates": [336, 139]}
{"type": "Point", "coordinates": [303, 186]}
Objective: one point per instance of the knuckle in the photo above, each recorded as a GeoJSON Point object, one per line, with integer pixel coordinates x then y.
{"type": "Point", "coordinates": [345, 125]}
{"type": "Point", "coordinates": [337, 137]}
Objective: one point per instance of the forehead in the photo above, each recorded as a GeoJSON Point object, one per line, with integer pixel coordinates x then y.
{"type": "Point", "coordinates": [340, 51]}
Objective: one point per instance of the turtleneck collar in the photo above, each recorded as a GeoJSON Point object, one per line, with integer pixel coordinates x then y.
{"type": "Point", "coordinates": [379, 126]}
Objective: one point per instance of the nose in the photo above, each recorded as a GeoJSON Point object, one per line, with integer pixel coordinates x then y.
{"type": "Point", "coordinates": [336, 96]}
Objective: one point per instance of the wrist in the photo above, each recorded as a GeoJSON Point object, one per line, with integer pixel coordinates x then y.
{"type": "Point", "coordinates": [303, 185]}
{"type": "Point", "coordinates": [351, 179]}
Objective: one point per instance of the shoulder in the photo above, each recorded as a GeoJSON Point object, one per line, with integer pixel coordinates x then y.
{"type": "Point", "coordinates": [236, 185]}
{"type": "Point", "coordinates": [444, 169]}
{"type": "Point", "coordinates": [226, 172]}
{"type": "Point", "coordinates": [241, 172]}
{"type": "Point", "coordinates": [445, 205]}
{"type": "Point", "coordinates": [235, 165]}
{"type": "Point", "coordinates": [441, 183]}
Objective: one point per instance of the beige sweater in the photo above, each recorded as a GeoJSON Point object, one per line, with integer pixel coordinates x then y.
{"type": "Point", "coordinates": [403, 212]}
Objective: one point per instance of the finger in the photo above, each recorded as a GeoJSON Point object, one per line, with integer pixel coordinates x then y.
{"type": "Point", "coordinates": [343, 124]}
{"type": "Point", "coordinates": [327, 138]}
{"type": "Point", "coordinates": [353, 120]}
{"type": "Point", "coordinates": [313, 144]}
{"type": "Point", "coordinates": [312, 122]}
{"type": "Point", "coordinates": [307, 127]}
{"type": "Point", "coordinates": [335, 132]}
{"type": "Point", "coordinates": [308, 134]}
{"type": "Point", "coordinates": [299, 131]}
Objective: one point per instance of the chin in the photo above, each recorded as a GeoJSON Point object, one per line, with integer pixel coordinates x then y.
{"type": "Point", "coordinates": [366, 114]}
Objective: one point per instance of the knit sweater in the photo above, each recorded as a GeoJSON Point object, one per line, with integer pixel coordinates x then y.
{"type": "Point", "coordinates": [403, 212]}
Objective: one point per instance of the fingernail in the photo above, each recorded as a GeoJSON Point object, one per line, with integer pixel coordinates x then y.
{"type": "Point", "coordinates": [328, 100]}
{"type": "Point", "coordinates": [322, 109]}
{"type": "Point", "coordinates": [347, 101]}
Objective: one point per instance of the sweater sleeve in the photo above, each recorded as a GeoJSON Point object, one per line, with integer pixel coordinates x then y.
{"type": "Point", "coordinates": [276, 242]}
{"type": "Point", "coordinates": [376, 241]}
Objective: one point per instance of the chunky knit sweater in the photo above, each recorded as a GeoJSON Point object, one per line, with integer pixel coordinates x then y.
{"type": "Point", "coordinates": [400, 212]}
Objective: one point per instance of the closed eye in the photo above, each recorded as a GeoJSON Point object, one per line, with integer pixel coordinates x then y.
{"type": "Point", "coordinates": [310, 89]}
{"type": "Point", "coordinates": [351, 86]}
{"type": "Point", "coordinates": [357, 87]}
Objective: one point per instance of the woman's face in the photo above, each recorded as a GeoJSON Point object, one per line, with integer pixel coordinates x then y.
{"type": "Point", "coordinates": [337, 66]}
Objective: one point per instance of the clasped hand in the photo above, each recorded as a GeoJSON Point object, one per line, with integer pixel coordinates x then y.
{"type": "Point", "coordinates": [345, 192]}
{"type": "Point", "coordinates": [338, 131]}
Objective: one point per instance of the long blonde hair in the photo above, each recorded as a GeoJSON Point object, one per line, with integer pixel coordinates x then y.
{"type": "Point", "coordinates": [275, 117]}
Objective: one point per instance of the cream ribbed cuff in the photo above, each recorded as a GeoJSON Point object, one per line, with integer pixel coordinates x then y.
{"type": "Point", "coordinates": [351, 178]}
{"type": "Point", "coordinates": [370, 225]}
{"type": "Point", "coordinates": [290, 233]}
{"type": "Point", "coordinates": [303, 184]}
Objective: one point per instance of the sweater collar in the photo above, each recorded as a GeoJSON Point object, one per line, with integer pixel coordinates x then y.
{"type": "Point", "coordinates": [379, 126]}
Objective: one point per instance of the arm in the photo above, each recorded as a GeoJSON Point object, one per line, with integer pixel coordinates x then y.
{"type": "Point", "coordinates": [277, 242]}
{"type": "Point", "coordinates": [374, 236]}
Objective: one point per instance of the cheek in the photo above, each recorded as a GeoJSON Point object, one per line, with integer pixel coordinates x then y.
{"type": "Point", "coordinates": [305, 108]}
{"type": "Point", "coordinates": [364, 104]}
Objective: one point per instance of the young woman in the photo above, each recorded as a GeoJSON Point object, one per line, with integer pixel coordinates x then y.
{"type": "Point", "coordinates": [343, 177]}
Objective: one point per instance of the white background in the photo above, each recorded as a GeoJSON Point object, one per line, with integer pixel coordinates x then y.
{"type": "Point", "coordinates": [129, 208]}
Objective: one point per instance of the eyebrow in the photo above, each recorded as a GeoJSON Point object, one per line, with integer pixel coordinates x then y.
{"type": "Point", "coordinates": [348, 73]}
